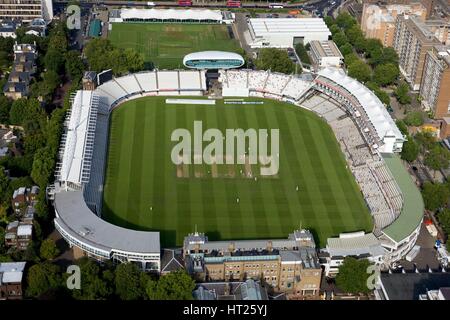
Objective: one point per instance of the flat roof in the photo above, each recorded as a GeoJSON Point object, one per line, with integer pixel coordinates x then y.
{"type": "Point", "coordinates": [81, 223]}
{"type": "Point", "coordinates": [326, 48]}
{"type": "Point", "coordinates": [263, 26]}
{"type": "Point", "coordinates": [358, 245]}
{"type": "Point", "coordinates": [413, 207]}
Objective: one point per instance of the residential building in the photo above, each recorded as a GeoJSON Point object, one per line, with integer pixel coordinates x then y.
{"type": "Point", "coordinates": [286, 265]}
{"type": "Point", "coordinates": [325, 54]}
{"type": "Point", "coordinates": [26, 10]}
{"type": "Point", "coordinates": [23, 69]}
{"type": "Point", "coordinates": [8, 29]}
{"type": "Point", "coordinates": [23, 198]}
{"type": "Point", "coordinates": [378, 20]}
{"type": "Point", "coordinates": [11, 275]}
{"type": "Point", "coordinates": [18, 235]}
{"type": "Point", "coordinates": [412, 41]}
{"type": "Point", "coordinates": [435, 86]}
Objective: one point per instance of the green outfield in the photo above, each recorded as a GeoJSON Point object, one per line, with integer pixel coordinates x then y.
{"type": "Point", "coordinates": [166, 44]}
{"type": "Point", "coordinates": [144, 190]}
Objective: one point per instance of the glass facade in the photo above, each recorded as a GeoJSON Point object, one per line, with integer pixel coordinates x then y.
{"type": "Point", "coordinates": [214, 63]}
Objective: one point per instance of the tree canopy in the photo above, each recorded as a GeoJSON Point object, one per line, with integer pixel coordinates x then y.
{"type": "Point", "coordinates": [360, 71]}
{"type": "Point", "coordinates": [385, 74]}
{"type": "Point", "coordinates": [102, 55]}
{"type": "Point", "coordinates": [275, 60]}
{"type": "Point", "coordinates": [174, 286]}
{"type": "Point", "coordinates": [41, 278]}
{"type": "Point", "coordinates": [353, 275]}
{"type": "Point", "coordinates": [435, 195]}
{"type": "Point", "coordinates": [128, 282]}
{"type": "Point", "coordinates": [48, 249]}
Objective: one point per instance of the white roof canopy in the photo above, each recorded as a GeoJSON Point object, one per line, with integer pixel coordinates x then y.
{"type": "Point", "coordinates": [79, 138]}
{"type": "Point", "coordinates": [373, 107]}
{"type": "Point", "coordinates": [166, 14]}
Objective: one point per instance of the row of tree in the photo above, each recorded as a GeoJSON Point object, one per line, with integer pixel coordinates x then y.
{"type": "Point", "coordinates": [366, 59]}
{"type": "Point", "coordinates": [125, 282]}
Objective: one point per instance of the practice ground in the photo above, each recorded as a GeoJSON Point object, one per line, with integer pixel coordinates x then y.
{"type": "Point", "coordinates": [166, 44]}
{"type": "Point", "coordinates": [146, 191]}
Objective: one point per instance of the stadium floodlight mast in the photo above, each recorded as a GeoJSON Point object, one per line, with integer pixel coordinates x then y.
{"type": "Point", "coordinates": [214, 153]}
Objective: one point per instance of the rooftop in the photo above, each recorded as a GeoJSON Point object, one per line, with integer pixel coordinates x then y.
{"type": "Point", "coordinates": [355, 246]}
{"type": "Point", "coordinates": [413, 207]}
{"type": "Point", "coordinates": [175, 14]}
{"type": "Point", "coordinates": [288, 25]}
{"type": "Point", "coordinates": [11, 272]}
{"type": "Point", "coordinates": [408, 286]}
{"type": "Point", "coordinates": [81, 223]}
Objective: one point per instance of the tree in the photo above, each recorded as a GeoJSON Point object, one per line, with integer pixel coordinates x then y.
{"type": "Point", "coordinates": [127, 281]}
{"type": "Point", "coordinates": [353, 33]}
{"type": "Point", "coordinates": [74, 65]}
{"type": "Point", "coordinates": [5, 107]}
{"type": "Point", "coordinates": [360, 71]}
{"type": "Point", "coordinates": [174, 286]}
{"type": "Point", "coordinates": [345, 20]}
{"type": "Point", "coordinates": [43, 165]}
{"type": "Point", "coordinates": [426, 140]}
{"type": "Point", "coordinates": [329, 21]}
{"type": "Point", "coordinates": [414, 118]}
{"type": "Point", "coordinates": [302, 53]}
{"type": "Point", "coordinates": [346, 49]}
{"type": "Point", "coordinates": [340, 39]}
{"type": "Point", "coordinates": [93, 285]}
{"type": "Point", "coordinates": [353, 275]}
{"type": "Point", "coordinates": [435, 195]}
{"type": "Point", "coordinates": [402, 126]}
{"type": "Point", "coordinates": [18, 111]}
{"type": "Point", "coordinates": [437, 158]}
{"type": "Point", "coordinates": [444, 220]}
{"type": "Point", "coordinates": [410, 150]}
{"type": "Point", "coordinates": [41, 278]}
{"type": "Point", "coordinates": [385, 74]}
{"type": "Point", "coordinates": [402, 93]}
{"type": "Point", "coordinates": [3, 181]}
{"type": "Point", "coordinates": [48, 249]}
{"type": "Point", "coordinates": [54, 60]}
{"type": "Point", "coordinates": [350, 58]}
{"type": "Point", "coordinates": [275, 60]}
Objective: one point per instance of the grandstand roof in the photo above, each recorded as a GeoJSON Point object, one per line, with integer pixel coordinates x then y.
{"type": "Point", "coordinates": [374, 108]}
{"type": "Point", "coordinates": [165, 14]}
{"type": "Point", "coordinates": [262, 26]}
{"type": "Point", "coordinates": [82, 224]}
{"type": "Point", "coordinates": [413, 207]}
{"type": "Point", "coordinates": [358, 245]}
{"type": "Point", "coordinates": [79, 131]}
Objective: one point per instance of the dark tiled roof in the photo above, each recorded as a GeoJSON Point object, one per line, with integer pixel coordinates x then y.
{"type": "Point", "coordinates": [408, 286]}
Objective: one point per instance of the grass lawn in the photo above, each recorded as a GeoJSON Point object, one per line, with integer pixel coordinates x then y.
{"type": "Point", "coordinates": [143, 190]}
{"type": "Point", "coordinates": [166, 44]}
